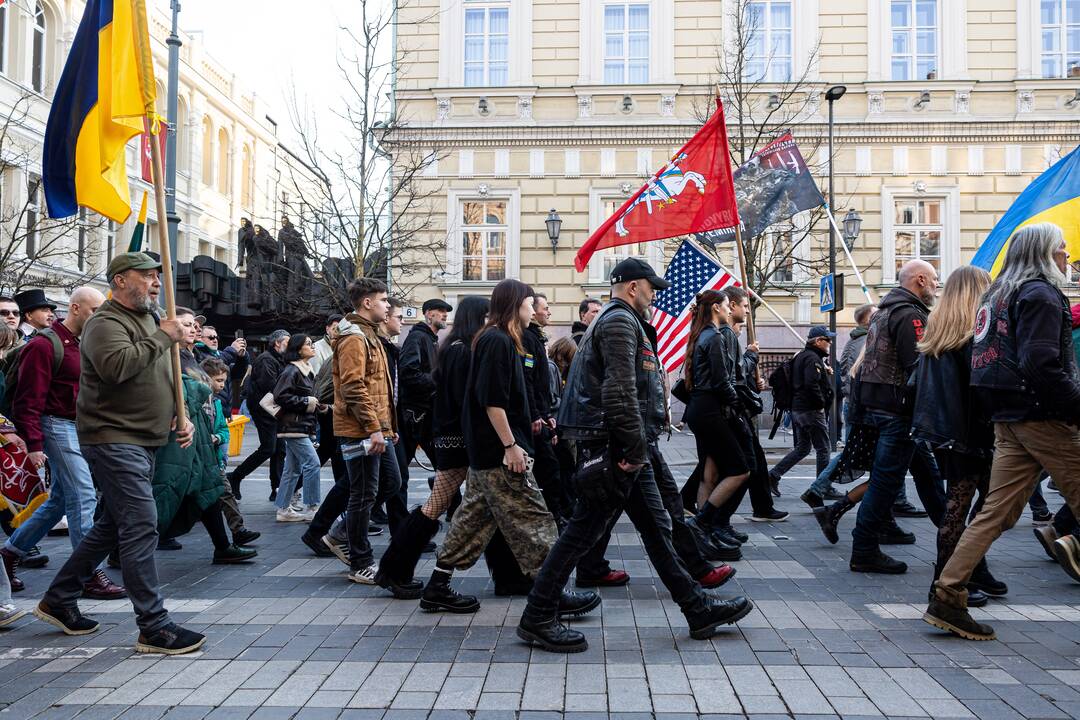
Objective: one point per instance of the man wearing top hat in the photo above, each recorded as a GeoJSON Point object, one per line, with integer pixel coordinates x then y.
{"type": "Point", "coordinates": [38, 312]}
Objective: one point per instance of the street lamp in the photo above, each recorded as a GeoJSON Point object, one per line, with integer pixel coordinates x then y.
{"type": "Point", "coordinates": [852, 225]}
{"type": "Point", "coordinates": [832, 95]}
{"type": "Point", "coordinates": [554, 225]}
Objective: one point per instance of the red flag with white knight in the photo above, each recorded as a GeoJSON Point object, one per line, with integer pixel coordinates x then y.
{"type": "Point", "coordinates": [692, 193]}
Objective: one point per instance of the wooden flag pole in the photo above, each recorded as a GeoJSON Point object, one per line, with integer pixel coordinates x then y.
{"type": "Point", "coordinates": [158, 174]}
{"type": "Point", "coordinates": [751, 336]}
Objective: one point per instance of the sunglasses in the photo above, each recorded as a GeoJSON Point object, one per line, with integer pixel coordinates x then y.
{"type": "Point", "coordinates": [209, 337]}
{"type": "Point", "coordinates": [9, 313]}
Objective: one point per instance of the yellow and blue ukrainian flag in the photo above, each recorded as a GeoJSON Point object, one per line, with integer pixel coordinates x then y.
{"type": "Point", "coordinates": [105, 94]}
{"type": "Point", "coordinates": [1053, 197]}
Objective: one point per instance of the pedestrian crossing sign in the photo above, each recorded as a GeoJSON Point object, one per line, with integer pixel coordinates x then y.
{"type": "Point", "coordinates": [827, 294]}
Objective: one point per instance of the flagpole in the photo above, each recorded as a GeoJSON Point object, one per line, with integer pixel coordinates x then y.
{"type": "Point", "coordinates": [157, 174]}
{"type": "Point", "coordinates": [751, 336]}
{"type": "Point", "coordinates": [843, 244]}
{"type": "Point", "coordinates": [777, 315]}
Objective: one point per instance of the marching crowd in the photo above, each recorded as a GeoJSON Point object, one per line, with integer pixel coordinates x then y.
{"type": "Point", "coordinates": [540, 445]}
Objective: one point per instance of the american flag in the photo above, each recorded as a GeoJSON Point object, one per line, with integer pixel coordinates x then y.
{"type": "Point", "coordinates": [690, 272]}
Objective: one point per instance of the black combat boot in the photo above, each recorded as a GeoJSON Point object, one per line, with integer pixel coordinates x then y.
{"type": "Point", "coordinates": [828, 517]}
{"type": "Point", "coordinates": [438, 596]}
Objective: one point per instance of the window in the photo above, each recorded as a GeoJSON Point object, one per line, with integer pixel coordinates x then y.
{"type": "Point", "coordinates": [484, 231]}
{"type": "Point", "coordinates": [207, 151]}
{"type": "Point", "coordinates": [111, 230]}
{"type": "Point", "coordinates": [487, 46]}
{"type": "Point", "coordinates": [917, 230]}
{"type": "Point", "coordinates": [1060, 20]}
{"type": "Point", "coordinates": [914, 39]}
{"type": "Point", "coordinates": [603, 203]}
{"type": "Point", "coordinates": [626, 44]}
{"type": "Point", "coordinates": [3, 37]}
{"type": "Point", "coordinates": [181, 135]}
{"type": "Point", "coordinates": [37, 58]}
{"type": "Point", "coordinates": [769, 48]}
{"type": "Point", "coordinates": [33, 215]}
{"type": "Point", "coordinates": [223, 179]}
{"type": "Point", "coordinates": [613, 256]}
{"type": "Point", "coordinates": [246, 177]}
{"type": "Point", "coordinates": [782, 256]}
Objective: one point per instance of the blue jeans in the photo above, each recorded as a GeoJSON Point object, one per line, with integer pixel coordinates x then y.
{"type": "Point", "coordinates": [895, 449]}
{"type": "Point", "coordinates": [72, 492]}
{"type": "Point", "coordinates": [301, 459]}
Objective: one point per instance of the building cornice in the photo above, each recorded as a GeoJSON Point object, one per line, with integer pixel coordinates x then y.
{"type": "Point", "coordinates": [666, 134]}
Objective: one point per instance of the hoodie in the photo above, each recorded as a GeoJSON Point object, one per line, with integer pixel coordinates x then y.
{"type": "Point", "coordinates": [856, 342]}
{"type": "Point", "coordinates": [363, 392]}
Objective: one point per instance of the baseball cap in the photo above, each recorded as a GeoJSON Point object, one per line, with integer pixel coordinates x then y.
{"type": "Point", "coordinates": [635, 269]}
{"type": "Point", "coordinates": [820, 331]}
{"type": "Point", "coordinates": [436, 304]}
{"type": "Point", "coordinates": [131, 261]}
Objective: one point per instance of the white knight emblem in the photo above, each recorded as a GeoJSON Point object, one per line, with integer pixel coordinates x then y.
{"type": "Point", "coordinates": [663, 188]}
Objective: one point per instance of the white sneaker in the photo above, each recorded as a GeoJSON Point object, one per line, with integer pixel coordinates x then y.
{"type": "Point", "coordinates": [290, 515]}
{"type": "Point", "coordinates": [310, 510]}
{"type": "Point", "coordinates": [364, 576]}
{"type": "Point", "coordinates": [9, 613]}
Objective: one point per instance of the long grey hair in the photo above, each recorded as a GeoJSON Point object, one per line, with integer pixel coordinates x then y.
{"type": "Point", "coordinates": [1030, 255]}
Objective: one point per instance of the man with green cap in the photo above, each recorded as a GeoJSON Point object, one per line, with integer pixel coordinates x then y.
{"type": "Point", "coordinates": [125, 411]}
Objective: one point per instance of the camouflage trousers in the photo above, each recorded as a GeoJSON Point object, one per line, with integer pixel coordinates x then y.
{"type": "Point", "coordinates": [499, 499]}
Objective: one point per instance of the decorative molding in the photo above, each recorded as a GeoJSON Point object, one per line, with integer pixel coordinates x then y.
{"type": "Point", "coordinates": [1025, 101]}
{"type": "Point", "coordinates": [525, 107]}
{"type": "Point", "coordinates": [584, 106]}
{"type": "Point", "coordinates": [1014, 159]}
{"type": "Point", "coordinates": [667, 105]}
{"type": "Point", "coordinates": [483, 189]}
{"type": "Point", "coordinates": [900, 160]}
{"type": "Point", "coordinates": [644, 162]}
{"type": "Point", "coordinates": [572, 163]}
{"type": "Point", "coordinates": [607, 162]}
{"type": "Point", "coordinates": [962, 102]}
{"type": "Point", "coordinates": [443, 108]}
{"type": "Point", "coordinates": [939, 160]}
{"type": "Point", "coordinates": [465, 163]}
{"type": "Point", "coordinates": [863, 164]}
{"type": "Point", "coordinates": [976, 160]}
{"type": "Point", "coordinates": [876, 103]}
{"type": "Point", "coordinates": [502, 163]}
{"type": "Point", "coordinates": [536, 163]}
{"type": "Point", "coordinates": [1052, 153]}
{"type": "Point", "coordinates": [626, 188]}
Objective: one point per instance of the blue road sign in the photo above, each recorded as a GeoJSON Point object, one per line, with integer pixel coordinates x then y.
{"type": "Point", "coordinates": [827, 293]}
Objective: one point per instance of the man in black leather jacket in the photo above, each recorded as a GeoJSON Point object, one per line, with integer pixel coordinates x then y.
{"type": "Point", "coordinates": [611, 389]}
{"type": "Point", "coordinates": [1024, 373]}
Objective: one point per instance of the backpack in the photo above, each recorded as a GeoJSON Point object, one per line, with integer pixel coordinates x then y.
{"type": "Point", "coordinates": [9, 367]}
{"type": "Point", "coordinates": [324, 383]}
{"type": "Point", "coordinates": [783, 392]}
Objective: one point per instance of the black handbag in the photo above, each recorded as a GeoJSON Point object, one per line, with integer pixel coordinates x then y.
{"type": "Point", "coordinates": [680, 392]}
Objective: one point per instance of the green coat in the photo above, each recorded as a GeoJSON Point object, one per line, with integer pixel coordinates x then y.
{"type": "Point", "coordinates": [187, 480]}
{"type": "Point", "coordinates": [221, 432]}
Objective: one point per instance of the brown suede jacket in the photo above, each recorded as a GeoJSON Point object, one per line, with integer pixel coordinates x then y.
{"type": "Point", "coordinates": [363, 393]}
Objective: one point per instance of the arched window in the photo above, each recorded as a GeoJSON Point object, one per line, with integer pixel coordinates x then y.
{"type": "Point", "coordinates": [223, 184]}
{"type": "Point", "coordinates": [207, 151]}
{"type": "Point", "coordinates": [181, 137]}
{"type": "Point", "coordinates": [37, 55]}
{"type": "Point", "coordinates": [246, 178]}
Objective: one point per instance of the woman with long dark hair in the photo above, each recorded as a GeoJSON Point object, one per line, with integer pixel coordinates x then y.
{"type": "Point", "coordinates": [501, 493]}
{"type": "Point", "coordinates": [295, 395]}
{"type": "Point", "coordinates": [398, 563]}
{"type": "Point", "coordinates": [724, 448]}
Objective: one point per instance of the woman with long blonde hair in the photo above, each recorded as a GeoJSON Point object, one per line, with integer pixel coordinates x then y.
{"type": "Point", "coordinates": [945, 413]}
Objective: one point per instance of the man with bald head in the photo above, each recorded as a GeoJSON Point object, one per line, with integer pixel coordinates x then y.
{"type": "Point", "coordinates": [43, 410]}
{"type": "Point", "coordinates": [890, 357]}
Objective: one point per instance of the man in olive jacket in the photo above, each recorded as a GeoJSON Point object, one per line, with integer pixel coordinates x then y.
{"type": "Point", "coordinates": [124, 413]}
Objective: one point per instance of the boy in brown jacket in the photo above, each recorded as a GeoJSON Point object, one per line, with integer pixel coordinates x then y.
{"type": "Point", "coordinates": [364, 422]}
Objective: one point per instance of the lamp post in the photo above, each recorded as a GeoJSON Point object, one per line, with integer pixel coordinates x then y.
{"type": "Point", "coordinates": [554, 225]}
{"type": "Point", "coordinates": [832, 95]}
{"type": "Point", "coordinates": [172, 110]}
{"type": "Point", "coordinates": [852, 225]}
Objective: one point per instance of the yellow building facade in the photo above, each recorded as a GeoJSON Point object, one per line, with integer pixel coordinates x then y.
{"type": "Point", "coordinates": [952, 108]}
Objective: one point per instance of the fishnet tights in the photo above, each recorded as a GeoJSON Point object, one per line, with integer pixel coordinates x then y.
{"type": "Point", "coordinates": [447, 483]}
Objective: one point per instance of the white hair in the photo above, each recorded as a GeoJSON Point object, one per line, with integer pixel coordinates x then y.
{"type": "Point", "coordinates": [1030, 256]}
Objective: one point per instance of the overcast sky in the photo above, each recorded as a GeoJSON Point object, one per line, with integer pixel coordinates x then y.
{"type": "Point", "coordinates": [269, 43]}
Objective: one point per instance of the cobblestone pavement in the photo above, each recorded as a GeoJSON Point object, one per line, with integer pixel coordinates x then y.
{"type": "Point", "coordinates": [290, 637]}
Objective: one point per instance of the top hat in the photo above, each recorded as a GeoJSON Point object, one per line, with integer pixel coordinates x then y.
{"type": "Point", "coordinates": [32, 300]}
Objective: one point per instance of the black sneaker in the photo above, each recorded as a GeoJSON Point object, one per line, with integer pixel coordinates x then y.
{"type": "Point", "coordinates": [703, 625]}
{"type": "Point", "coordinates": [169, 544]}
{"type": "Point", "coordinates": [957, 621]}
{"type": "Point", "coordinates": [316, 545]}
{"type": "Point", "coordinates": [740, 537]}
{"type": "Point", "coordinates": [893, 534]}
{"type": "Point", "coordinates": [68, 619]}
{"type": "Point", "coordinates": [551, 635]}
{"type": "Point", "coordinates": [575, 604]}
{"type": "Point", "coordinates": [877, 562]}
{"type": "Point", "coordinates": [1038, 517]}
{"type": "Point", "coordinates": [378, 516]}
{"type": "Point", "coordinates": [832, 494]}
{"type": "Point", "coordinates": [812, 499]}
{"type": "Point", "coordinates": [34, 558]}
{"type": "Point", "coordinates": [726, 535]}
{"type": "Point", "coordinates": [234, 554]}
{"type": "Point", "coordinates": [829, 520]}
{"type": "Point", "coordinates": [906, 509]}
{"type": "Point", "coordinates": [243, 536]}
{"type": "Point", "coordinates": [981, 579]}
{"type": "Point", "coordinates": [170, 640]}
{"type": "Point", "coordinates": [773, 515]}
{"type": "Point", "coordinates": [410, 590]}
{"type": "Point", "coordinates": [976, 598]}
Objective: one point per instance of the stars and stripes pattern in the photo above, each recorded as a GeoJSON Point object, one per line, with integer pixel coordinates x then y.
{"type": "Point", "coordinates": [690, 272]}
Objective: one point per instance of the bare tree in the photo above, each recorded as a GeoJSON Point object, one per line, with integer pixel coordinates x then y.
{"type": "Point", "coordinates": [36, 251]}
{"type": "Point", "coordinates": [368, 204]}
{"type": "Point", "coordinates": [761, 101]}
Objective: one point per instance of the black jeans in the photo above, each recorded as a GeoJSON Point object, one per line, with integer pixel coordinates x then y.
{"type": "Point", "coordinates": [811, 428]}
{"type": "Point", "coordinates": [593, 564]}
{"type": "Point", "coordinates": [761, 499]}
{"type": "Point", "coordinates": [328, 448]}
{"type": "Point", "coordinates": [589, 523]}
{"type": "Point", "coordinates": [269, 449]}
{"type": "Point", "coordinates": [363, 487]}
{"type": "Point", "coordinates": [547, 473]}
